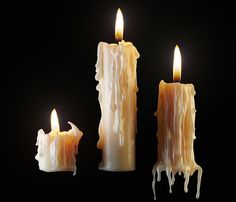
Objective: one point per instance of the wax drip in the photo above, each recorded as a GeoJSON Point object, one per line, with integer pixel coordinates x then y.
{"type": "Point", "coordinates": [171, 178]}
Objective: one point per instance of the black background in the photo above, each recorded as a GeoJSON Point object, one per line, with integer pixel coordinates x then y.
{"type": "Point", "coordinates": [53, 51]}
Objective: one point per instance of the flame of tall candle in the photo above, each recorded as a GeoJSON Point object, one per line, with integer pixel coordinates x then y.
{"type": "Point", "coordinates": [177, 65]}
{"type": "Point", "coordinates": [54, 121]}
{"type": "Point", "coordinates": [119, 27]}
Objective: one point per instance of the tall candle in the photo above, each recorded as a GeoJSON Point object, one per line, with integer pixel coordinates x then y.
{"type": "Point", "coordinates": [116, 74]}
{"type": "Point", "coordinates": [57, 150]}
{"type": "Point", "coordinates": [176, 130]}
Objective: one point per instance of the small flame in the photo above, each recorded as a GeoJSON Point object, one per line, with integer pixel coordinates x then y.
{"type": "Point", "coordinates": [177, 65]}
{"type": "Point", "coordinates": [54, 121]}
{"type": "Point", "coordinates": [119, 27]}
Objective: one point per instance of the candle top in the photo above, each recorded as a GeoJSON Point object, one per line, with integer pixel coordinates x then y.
{"type": "Point", "coordinates": [177, 65]}
{"type": "Point", "coordinates": [119, 26]}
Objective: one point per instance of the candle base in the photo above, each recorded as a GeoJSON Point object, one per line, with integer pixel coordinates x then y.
{"type": "Point", "coordinates": [170, 173]}
{"type": "Point", "coordinates": [72, 169]}
{"type": "Point", "coordinates": [116, 169]}
{"type": "Point", "coordinates": [117, 158]}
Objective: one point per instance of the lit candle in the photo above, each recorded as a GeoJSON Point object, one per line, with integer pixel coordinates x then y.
{"type": "Point", "coordinates": [57, 150]}
{"type": "Point", "coordinates": [176, 130]}
{"type": "Point", "coordinates": [116, 74]}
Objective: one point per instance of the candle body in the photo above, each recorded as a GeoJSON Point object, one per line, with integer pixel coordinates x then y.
{"type": "Point", "coordinates": [57, 150]}
{"type": "Point", "coordinates": [176, 133]}
{"type": "Point", "coordinates": [116, 74]}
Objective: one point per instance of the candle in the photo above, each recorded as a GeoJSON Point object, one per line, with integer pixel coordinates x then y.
{"type": "Point", "coordinates": [117, 87]}
{"type": "Point", "coordinates": [57, 150]}
{"type": "Point", "coordinates": [176, 130]}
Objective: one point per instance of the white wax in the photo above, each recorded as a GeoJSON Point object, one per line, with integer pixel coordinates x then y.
{"type": "Point", "coordinates": [57, 150]}
{"type": "Point", "coordinates": [116, 74]}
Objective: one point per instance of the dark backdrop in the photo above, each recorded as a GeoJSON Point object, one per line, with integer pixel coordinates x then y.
{"type": "Point", "coordinates": [53, 51]}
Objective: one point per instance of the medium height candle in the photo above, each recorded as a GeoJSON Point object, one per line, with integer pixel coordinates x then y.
{"type": "Point", "coordinates": [116, 74]}
{"type": "Point", "coordinates": [176, 130]}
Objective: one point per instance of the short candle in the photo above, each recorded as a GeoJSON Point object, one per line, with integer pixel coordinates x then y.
{"type": "Point", "coordinates": [57, 150]}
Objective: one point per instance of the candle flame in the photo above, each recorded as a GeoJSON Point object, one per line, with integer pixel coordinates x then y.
{"type": "Point", "coordinates": [177, 65]}
{"type": "Point", "coordinates": [119, 27]}
{"type": "Point", "coordinates": [54, 121]}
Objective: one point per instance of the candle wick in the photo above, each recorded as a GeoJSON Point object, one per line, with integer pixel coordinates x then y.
{"type": "Point", "coordinates": [177, 80]}
{"type": "Point", "coordinates": [118, 39]}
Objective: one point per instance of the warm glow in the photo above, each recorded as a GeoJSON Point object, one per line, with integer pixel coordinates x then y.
{"type": "Point", "coordinates": [119, 28]}
{"type": "Point", "coordinates": [54, 121]}
{"type": "Point", "coordinates": [177, 65]}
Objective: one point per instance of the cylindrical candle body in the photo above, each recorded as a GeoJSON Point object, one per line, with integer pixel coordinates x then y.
{"type": "Point", "coordinates": [176, 133]}
{"type": "Point", "coordinates": [57, 150]}
{"type": "Point", "coordinates": [116, 74]}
